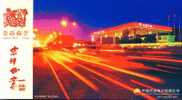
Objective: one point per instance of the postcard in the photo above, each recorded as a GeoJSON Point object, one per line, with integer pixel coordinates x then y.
{"type": "Point", "coordinates": [91, 49]}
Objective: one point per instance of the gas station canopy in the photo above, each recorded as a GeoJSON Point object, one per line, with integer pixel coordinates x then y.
{"type": "Point", "coordinates": [134, 28]}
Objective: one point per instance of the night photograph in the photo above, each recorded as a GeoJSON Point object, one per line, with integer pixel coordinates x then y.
{"type": "Point", "coordinates": [107, 49]}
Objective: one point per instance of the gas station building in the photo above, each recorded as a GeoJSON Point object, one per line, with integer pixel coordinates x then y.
{"type": "Point", "coordinates": [132, 31]}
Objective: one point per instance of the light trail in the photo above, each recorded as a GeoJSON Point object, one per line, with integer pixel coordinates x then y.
{"type": "Point", "coordinates": [89, 57]}
{"type": "Point", "coordinates": [75, 73]}
{"type": "Point", "coordinates": [107, 78]}
{"type": "Point", "coordinates": [168, 67]}
{"type": "Point", "coordinates": [160, 70]}
{"type": "Point", "coordinates": [148, 77]}
{"type": "Point", "coordinates": [141, 84]}
{"type": "Point", "coordinates": [113, 51]}
{"type": "Point", "coordinates": [157, 52]}
{"type": "Point", "coordinates": [116, 82]}
{"type": "Point", "coordinates": [61, 86]}
{"type": "Point", "coordinates": [63, 58]}
{"type": "Point", "coordinates": [139, 65]}
{"type": "Point", "coordinates": [156, 59]}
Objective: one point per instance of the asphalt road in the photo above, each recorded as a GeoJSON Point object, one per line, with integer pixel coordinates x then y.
{"type": "Point", "coordinates": [107, 74]}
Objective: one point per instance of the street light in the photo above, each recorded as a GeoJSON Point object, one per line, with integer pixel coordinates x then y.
{"type": "Point", "coordinates": [67, 25]}
{"type": "Point", "coordinates": [64, 23]}
{"type": "Point", "coordinates": [74, 24]}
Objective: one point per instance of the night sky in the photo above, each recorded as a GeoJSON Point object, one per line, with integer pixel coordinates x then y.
{"type": "Point", "coordinates": [107, 13]}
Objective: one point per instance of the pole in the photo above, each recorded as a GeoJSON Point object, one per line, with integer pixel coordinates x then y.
{"type": "Point", "coordinates": [179, 30]}
{"type": "Point", "coordinates": [174, 23]}
{"type": "Point", "coordinates": [168, 20]}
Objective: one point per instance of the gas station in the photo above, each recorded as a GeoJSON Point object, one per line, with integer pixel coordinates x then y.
{"type": "Point", "coordinates": [129, 32]}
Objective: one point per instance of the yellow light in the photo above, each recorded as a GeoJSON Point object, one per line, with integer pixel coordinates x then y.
{"type": "Point", "coordinates": [60, 42]}
{"type": "Point", "coordinates": [34, 36]}
{"type": "Point", "coordinates": [51, 36]}
{"type": "Point", "coordinates": [35, 30]}
{"type": "Point", "coordinates": [64, 23]}
{"type": "Point", "coordinates": [79, 44]}
{"type": "Point", "coordinates": [137, 91]}
{"type": "Point", "coordinates": [36, 43]}
{"type": "Point", "coordinates": [75, 45]}
{"type": "Point", "coordinates": [55, 34]}
{"type": "Point", "coordinates": [105, 35]}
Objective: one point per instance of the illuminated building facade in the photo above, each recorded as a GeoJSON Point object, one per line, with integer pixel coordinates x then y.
{"type": "Point", "coordinates": [134, 32]}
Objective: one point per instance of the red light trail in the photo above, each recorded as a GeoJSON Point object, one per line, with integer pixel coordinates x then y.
{"type": "Point", "coordinates": [98, 65]}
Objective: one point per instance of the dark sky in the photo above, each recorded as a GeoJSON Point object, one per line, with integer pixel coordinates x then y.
{"type": "Point", "coordinates": [94, 15]}
{"type": "Point", "coordinates": [106, 13]}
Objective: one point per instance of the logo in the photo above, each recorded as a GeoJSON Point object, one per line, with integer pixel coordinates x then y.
{"type": "Point", "coordinates": [15, 18]}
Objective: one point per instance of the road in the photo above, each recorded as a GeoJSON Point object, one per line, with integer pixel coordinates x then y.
{"type": "Point", "coordinates": [106, 74]}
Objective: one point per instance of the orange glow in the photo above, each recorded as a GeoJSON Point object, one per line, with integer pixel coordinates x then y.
{"type": "Point", "coordinates": [107, 78]}
{"type": "Point", "coordinates": [117, 82]}
{"type": "Point", "coordinates": [113, 50]}
{"type": "Point", "coordinates": [151, 78]}
{"type": "Point", "coordinates": [71, 61]}
{"type": "Point", "coordinates": [138, 26]}
{"type": "Point", "coordinates": [64, 23]}
{"type": "Point", "coordinates": [58, 59]}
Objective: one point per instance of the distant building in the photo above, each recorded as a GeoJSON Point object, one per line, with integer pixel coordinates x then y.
{"type": "Point", "coordinates": [83, 43]}
{"type": "Point", "coordinates": [133, 32]}
{"type": "Point", "coordinates": [62, 41]}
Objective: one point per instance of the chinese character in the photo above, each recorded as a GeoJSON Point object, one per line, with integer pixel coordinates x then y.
{"type": "Point", "coordinates": [13, 81]}
{"type": "Point", "coordinates": [12, 61]}
{"type": "Point", "coordinates": [21, 85]}
{"type": "Point", "coordinates": [15, 18]}
{"type": "Point", "coordinates": [14, 50]}
{"type": "Point", "coordinates": [14, 70]}
{"type": "Point", "coordinates": [5, 33]}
